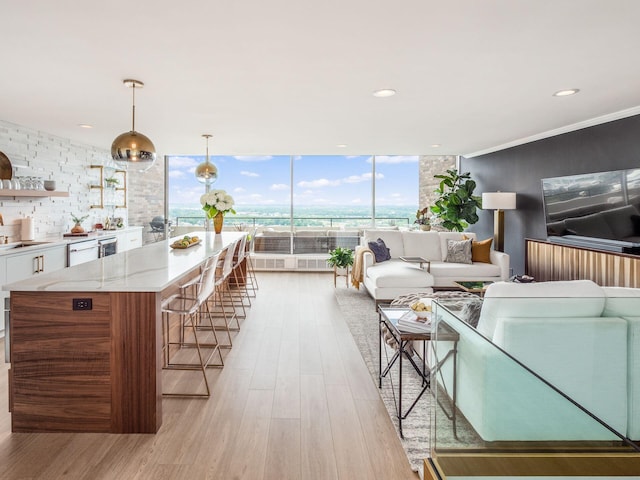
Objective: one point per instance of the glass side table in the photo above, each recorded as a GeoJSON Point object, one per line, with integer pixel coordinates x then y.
{"type": "Point", "coordinates": [388, 320]}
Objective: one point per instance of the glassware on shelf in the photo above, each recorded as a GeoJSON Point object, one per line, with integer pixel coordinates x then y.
{"type": "Point", "coordinates": [25, 183]}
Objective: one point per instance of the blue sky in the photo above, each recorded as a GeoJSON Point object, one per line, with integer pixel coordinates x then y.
{"type": "Point", "coordinates": [318, 180]}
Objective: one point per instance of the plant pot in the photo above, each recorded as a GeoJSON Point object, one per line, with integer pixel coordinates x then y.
{"type": "Point", "coordinates": [425, 228]}
{"type": "Point", "coordinates": [218, 222]}
{"type": "Point", "coordinates": [77, 228]}
{"type": "Point", "coordinates": [340, 272]}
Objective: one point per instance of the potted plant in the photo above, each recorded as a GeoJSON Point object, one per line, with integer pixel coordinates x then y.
{"type": "Point", "coordinates": [422, 219]}
{"type": "Point", "coordinates": [77, 228]}
{"type": "Point", "coordinates": [340, 259]}
{"type": "Point", "coordinates": [456, 205]}
{"type": "Point", "coordinates": [111, 182]}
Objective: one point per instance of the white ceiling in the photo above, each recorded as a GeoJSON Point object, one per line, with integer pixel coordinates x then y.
{"type": "Point", "coordinates": [296, 76]}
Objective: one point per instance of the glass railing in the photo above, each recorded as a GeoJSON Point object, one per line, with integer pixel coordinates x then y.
{"type": "Point", "coordinates": [553, 379]}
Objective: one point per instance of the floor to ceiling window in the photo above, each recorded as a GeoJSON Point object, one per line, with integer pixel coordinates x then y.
{"type": "Point", "coordinates": [285, 194]}
{"type": "Point", "coordinates": [332, 191]}
{"type": "Point", "coordinates": [396, 189]}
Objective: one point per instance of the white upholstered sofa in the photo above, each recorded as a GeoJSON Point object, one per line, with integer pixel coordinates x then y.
{"type": "Point", "coordinates": [581, 338]}
{"type": "Point", "coordinates": [386, 280]}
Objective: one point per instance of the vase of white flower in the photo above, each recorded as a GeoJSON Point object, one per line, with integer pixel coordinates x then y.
{"type": "Point", "coordinates": [216, 204]}
{"type": "Point", "coordinates": [218, 222]}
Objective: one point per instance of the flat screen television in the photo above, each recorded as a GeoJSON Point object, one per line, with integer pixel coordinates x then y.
{"type": "Point", "coordinates": [596, 209]}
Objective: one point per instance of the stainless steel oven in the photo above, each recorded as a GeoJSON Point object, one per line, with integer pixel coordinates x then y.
{"type": "Point", "coordinates": [108, 246]}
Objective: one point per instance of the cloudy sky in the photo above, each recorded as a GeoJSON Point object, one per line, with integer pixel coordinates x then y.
{"type": "Point", "coordinates": [318, 180]}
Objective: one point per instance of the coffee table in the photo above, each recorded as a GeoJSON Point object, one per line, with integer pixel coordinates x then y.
{"type": "Point", "coordinates": [473, 287]}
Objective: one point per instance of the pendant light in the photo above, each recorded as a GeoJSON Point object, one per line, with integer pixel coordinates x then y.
{"type": "Point", "coordinates": [133, 147]}
{"type": "Point", "coordinates": [207, 172]}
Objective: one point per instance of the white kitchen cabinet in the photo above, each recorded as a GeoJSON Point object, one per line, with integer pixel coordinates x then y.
{"type": "Point", "coordinates": [134, 238]}
{"type": "Point", "coordinates": [129, 238]}
{"type": "Point", "coordinates": [20, 266]}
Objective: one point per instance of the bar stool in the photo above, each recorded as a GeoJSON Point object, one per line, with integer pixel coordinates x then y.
{"type": "Point", "coordinates": [221, 297]}
{"type": "Point", "coordinates": [238, 268]}
{"type": "Point", "coordinates": [189, 309]}
{"type": "Point", "coordinates": [252, 281]}
{"type": "Point", "coordinates": [226, 297]}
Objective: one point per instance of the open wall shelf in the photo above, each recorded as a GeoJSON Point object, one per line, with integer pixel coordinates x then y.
{"type": "Point", "coordinates": [108, 196]}
{"type": "Point", "coordinates": [31, 193]}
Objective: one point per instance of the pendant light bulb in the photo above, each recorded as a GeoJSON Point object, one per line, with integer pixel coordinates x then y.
{"type": "Point", "coordinates": [133, 147]}
{"type": "Point", "coordinates": [207, 172]}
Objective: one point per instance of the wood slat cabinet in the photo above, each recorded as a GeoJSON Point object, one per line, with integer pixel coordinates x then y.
{"type": "Point", "coordinates": [547, 261]}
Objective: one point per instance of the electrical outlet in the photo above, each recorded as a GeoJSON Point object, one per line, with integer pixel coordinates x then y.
{"type": "Point", "coordinates": [82, 304]}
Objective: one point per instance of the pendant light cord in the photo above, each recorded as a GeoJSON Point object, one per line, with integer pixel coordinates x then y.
{"type": "Point", "coordinates": [133, 107]}
{"type": "Point", "coordinates": [207, 136]}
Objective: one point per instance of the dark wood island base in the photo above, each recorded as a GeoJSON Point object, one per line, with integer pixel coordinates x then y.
{"type": "Point", "coordinates": [89, 370]}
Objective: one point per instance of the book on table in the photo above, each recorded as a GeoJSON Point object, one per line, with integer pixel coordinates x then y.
{"type": "Point", "coordinates": [410, 322]}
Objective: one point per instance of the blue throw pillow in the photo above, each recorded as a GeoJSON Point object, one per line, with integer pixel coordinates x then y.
{"type": "Point", "coordinates": [380, 250]}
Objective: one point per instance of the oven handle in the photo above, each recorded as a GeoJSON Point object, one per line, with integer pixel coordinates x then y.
{"type": "Point", "coordinates": [73, 250]}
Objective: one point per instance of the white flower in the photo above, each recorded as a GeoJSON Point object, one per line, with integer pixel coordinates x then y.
{"type": "Point", "coordinates": [217, 201]}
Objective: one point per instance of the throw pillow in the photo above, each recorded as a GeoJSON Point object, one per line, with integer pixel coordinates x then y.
{"type": "Point", "coordinates": [481, 251]}
{"type": "Point", "coordinates": [458, 251]}
{"type": "Point", "coordinates": [380, 250]}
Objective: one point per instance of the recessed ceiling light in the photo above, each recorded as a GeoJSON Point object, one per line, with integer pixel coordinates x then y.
{"type": "Point", "coordinates": [341, 145]}
{"type": "Point", "coordinates": [435, 145]}
{"type": "Point", "coordinates": [85, 125]}
{"type": "Point", "coordinates": [565, 93]}
{"type": "Point", "coordinates": [384, 92]}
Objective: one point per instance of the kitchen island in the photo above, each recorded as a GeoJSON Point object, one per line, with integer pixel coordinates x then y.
{"type": "Point", "coordinates": [86, 341]}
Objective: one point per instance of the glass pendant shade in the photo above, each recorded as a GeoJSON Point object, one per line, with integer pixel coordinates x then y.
{"type": "Point", "coordinates": [132, 146]}
{"type": "Point", "coordinates": [206, 172]}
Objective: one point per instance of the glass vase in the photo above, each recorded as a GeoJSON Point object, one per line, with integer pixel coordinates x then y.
{"type": "Point", "coordinates": [218, 221]}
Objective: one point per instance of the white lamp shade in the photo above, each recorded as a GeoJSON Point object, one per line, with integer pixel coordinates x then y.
{"type": "Point", "coordinates": [499, 201]}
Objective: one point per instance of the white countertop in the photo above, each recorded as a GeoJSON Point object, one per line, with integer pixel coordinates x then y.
{"type": "Point", "coordinates": [55, 241]}
{"type": "Point", "coordinates": [151, 268]}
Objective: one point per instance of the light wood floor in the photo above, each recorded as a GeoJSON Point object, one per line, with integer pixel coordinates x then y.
{"type": "Point", "coordinates": [294, 401]}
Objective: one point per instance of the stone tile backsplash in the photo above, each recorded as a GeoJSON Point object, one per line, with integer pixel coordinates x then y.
{"type": "Point", "coordinates": [51, 158]}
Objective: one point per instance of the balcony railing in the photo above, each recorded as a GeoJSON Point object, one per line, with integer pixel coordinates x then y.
{"type": "Point", "coordinates": [308, 235]}
{"type": "Point", "coordinates": [263, 221]}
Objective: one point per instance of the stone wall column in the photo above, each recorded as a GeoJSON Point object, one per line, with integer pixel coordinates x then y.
{"type": "Point", "coordinates": [428, 166]}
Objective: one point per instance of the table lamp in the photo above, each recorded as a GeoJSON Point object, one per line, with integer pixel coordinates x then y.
{"type": "Point", "coordinates": [498, 201]}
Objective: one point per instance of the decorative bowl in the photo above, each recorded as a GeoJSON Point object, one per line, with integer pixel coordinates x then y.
{"type": "Point", "coordinates": [421, 309]}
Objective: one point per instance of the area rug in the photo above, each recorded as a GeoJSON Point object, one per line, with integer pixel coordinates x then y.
{"type": "Point", "coordinates": [358, 310]}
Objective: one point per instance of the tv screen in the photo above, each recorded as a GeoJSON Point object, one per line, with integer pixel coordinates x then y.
{"type": "Point", "coordinates": [602, 205]}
